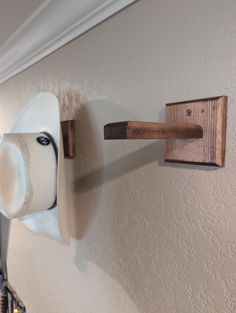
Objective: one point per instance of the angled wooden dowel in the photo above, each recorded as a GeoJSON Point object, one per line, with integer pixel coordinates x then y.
{"type": "Point", "coordinates": [149, 130]}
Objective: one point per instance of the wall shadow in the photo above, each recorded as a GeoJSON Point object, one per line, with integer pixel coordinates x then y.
{"type": "Point", "coordinates": [118, 168]}
{"type": "Point", "coordinates": [87, 169]}
{"type": "Point", "coordinates": [85, 200]}
{"type": "Point", "coordinates": [112, 218]}
{"type": "Point", "coordinates": [94, 217]}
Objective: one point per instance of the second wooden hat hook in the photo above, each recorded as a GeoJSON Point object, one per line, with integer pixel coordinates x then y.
{"type": "Point", "coordinates": [195, 131]}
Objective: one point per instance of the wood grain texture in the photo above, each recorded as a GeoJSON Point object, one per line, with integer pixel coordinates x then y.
{"type": "Point", "coordinates": [211, 115]}
{"type": "Point", "coordinates": [148, 130]}
{"type": "Point", "coordinates": [69, 139]}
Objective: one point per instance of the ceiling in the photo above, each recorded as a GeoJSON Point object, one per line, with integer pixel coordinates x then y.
{"type": "Point", "coordinates": [50, 25]}
{"type": "Point", "coordinates": [13, 13]}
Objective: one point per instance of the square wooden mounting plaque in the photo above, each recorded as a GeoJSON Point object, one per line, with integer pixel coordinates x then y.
{"type": "Point", "coordinates": [211, 115]}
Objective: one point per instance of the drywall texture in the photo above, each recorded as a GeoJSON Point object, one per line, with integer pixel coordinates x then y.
{"type": "Point", "coordinates": [146, 236]}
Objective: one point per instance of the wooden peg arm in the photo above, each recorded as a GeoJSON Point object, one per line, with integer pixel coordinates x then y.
{"type": "Point", "coordinates": [147, 130]}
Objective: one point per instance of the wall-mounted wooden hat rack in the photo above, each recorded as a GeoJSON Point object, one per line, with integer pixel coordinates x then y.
{"type": "Point", "coordinates": [195, 131]}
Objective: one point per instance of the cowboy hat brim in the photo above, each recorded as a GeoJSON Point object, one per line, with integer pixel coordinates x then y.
{"type": "Point", "coordinates": [42, 114]}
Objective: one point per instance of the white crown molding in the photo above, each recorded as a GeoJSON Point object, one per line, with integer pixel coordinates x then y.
{"type": "Point", "coordinates": [52, 25]}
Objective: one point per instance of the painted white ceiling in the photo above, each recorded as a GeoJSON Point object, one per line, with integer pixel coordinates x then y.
{"type": "Point", "coordinates": [50, 24]}
{"type": "Point", "coordinates": [13, 13]}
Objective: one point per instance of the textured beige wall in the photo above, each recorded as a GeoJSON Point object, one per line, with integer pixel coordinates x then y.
{"type": "Point", "coordinates": [146, 236]}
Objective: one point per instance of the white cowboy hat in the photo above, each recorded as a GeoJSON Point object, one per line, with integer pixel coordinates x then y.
{"type": "Point", "coordinates": [32, 175]}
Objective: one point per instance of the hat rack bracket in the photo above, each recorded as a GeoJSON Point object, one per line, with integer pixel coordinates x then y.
{"type": "Point", "coordinates": [195, 131]}
{"type": "Point", "coordinates": [69, 138]}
